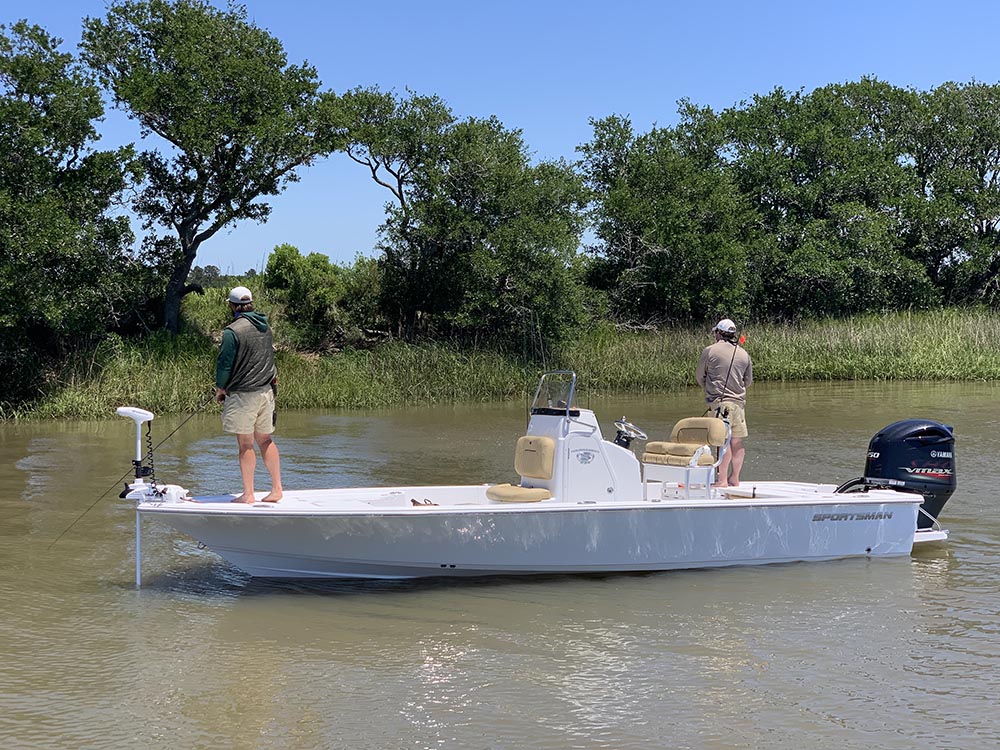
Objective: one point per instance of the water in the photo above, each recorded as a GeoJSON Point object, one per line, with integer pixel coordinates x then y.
{"type": "Point", "coordinates": [853, 654]}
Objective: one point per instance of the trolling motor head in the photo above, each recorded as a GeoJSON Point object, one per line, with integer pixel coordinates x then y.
{"type": "Point", "coordinates": [135, 413]}
{"type": "Point", "coordinates": [139, 416]}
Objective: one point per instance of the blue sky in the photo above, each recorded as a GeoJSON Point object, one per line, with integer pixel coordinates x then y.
{"type": "Point", "coordinates": [548, 67]}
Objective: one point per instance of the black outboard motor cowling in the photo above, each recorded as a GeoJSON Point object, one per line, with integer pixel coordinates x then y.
{"type": "Point", "coordinates": [914, 455]}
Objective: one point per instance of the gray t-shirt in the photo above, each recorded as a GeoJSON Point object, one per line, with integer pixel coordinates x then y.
{"type": "Point", "coordinates": [725, 372]}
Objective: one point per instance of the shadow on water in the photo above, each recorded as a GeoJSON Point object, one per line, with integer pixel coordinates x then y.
{"type": "Point", "coordinates": [219, 580]}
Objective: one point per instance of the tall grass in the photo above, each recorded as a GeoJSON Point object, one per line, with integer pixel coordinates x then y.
{"type": "Point", "coordinates": [953, 344]}
{"type": "Point", "coordinates": [167, 374]}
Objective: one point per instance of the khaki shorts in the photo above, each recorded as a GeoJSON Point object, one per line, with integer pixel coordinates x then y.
{"type": "Point", "coordinates": [245, 413]}
{"type": "Point", "coordinates": [737, 416]}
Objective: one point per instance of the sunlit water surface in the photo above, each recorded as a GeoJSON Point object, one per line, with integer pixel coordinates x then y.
{"type": "Point", "coordinates": [901, 653]}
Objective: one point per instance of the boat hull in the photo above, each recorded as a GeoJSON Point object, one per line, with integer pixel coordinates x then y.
{"type": "Point", "coordinates": [547, 539]}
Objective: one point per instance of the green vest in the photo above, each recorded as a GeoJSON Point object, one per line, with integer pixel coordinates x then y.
{"type": "Point", "coordinates": [253, 367]}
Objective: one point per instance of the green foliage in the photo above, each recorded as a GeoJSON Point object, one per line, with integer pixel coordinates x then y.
{"type": "Point", "coordinates": [173, 374]}
{"type": "Point", "coordinates": [929, 345]}
{"type": "Point", "coordinates": [480, 244]}
{"type": "Point", "coordinates": [207, 276]}
{"type": "Point", "coordinates": [310, 287]}
{"type": "Point", "coordinates": [237, 118]}
{"type": "Point", "coordinates": [669, 220]}
{"type": "Point", "coordinates": [840, 203]}
{"type": "Point", "coordinates": [64, 270]}
{"type": "Point", "coordinates": [951, 140]}
{"type": "Point", "coordinates": [313, 305]}
{"type": "Point", "coordinates": [854, 198]}
{"type": "Point", "coordinates": [823, 171]}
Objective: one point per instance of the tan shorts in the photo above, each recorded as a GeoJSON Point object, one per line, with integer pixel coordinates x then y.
{"type": "Point", "coordinates": [246, 413]}
{"type": "Point", "coordinates": [737, 416]}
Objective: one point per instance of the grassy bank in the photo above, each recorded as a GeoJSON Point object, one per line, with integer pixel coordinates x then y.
{"type": "Point", "coordinates": [175, 374]}
{"type": "Point", "coordinates": [938, 345]}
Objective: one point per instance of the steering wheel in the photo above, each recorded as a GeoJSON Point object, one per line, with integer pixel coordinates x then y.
{"type": "Point", "coordinates": [630, 429]}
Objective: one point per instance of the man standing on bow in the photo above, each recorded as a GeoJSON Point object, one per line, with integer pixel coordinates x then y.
{"type": "Point", "coordinates": [245, 377]}
{"type": "Point", "coordinates": [725, 372]}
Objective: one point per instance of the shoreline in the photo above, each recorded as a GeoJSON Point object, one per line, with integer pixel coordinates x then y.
{"type": "Point", "coordinates": [171, 376]}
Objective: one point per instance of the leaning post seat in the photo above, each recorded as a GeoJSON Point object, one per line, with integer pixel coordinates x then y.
{"type": "Point", "coordinates": [534, 458]}
{"type": "Point", "coordinates": [687, 455]}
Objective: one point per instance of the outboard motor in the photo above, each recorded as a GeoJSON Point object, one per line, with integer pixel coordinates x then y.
{"type": "Point", "coordinates": [914, 455]}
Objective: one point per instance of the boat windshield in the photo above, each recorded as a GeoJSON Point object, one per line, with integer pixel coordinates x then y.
{"type": "Point", "coordinates": [555, 394]}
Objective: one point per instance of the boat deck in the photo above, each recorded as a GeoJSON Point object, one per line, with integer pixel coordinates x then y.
{"type": "Point", "coordinates": [472, 498]}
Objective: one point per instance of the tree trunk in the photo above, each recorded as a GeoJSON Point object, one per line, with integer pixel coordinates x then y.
{"type": "Point", "coordinates": [176, 289]}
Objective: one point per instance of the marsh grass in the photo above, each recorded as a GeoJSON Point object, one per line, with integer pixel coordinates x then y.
{"type": "Point", "coordinates": [167, 374]}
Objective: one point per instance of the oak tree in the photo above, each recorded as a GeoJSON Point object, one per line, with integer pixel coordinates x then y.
{"type": "Point", "coordinates": [237, 119]}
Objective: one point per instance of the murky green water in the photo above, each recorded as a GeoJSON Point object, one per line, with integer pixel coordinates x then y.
{"type": "Point", "coordinates": [853, 654]}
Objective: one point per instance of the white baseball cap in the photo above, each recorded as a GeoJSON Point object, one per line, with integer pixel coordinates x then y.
{"type": "Point", "coordinates": [240, 295]}
{"type": "Point", "coordinates": [725, 326]}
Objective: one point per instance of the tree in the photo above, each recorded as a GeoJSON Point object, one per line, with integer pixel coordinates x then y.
{"type": "Point", "coordinates": [950, 141]}
{"type": "Point", "coordinates": [63, 275]}
{"type": "Point", "coordinates": [323, 305]}
{"type": "Point", "coordinates": [207, 276]}
{"type": "Point", "coordinates": [395, 138]}
{"type": "Point", "coordinates": [479, 243]}
{"type": "Point", "coordinates": [671, 226]}
{"type": "Point", "coordinates": [310, 287]}
{"type": "Point", "coordinates": [237, 118]}
{"type": "Point", "coordinates": [824, 172]}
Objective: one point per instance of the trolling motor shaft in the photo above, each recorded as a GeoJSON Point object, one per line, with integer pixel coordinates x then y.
{"type": "Point", "coordinates": [139, 416]}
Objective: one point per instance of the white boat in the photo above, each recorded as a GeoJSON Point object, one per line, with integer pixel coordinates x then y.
{"type": "Point", "coordinates": [583, 505]}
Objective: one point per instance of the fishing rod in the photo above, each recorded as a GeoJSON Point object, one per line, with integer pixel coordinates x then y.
{"type": "Point", "coordinates": [149, 455]}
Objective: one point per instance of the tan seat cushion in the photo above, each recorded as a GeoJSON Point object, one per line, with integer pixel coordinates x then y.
{"type": "Point", "coordinates": [686, 438]}
{"type": "Point", "coordinates": [507, 493]}
{"type": "Point", "coordinates": [676, 457]}
{"type": "Point", "coordinates": [534, 456]}
{"type": "Point", "coordinates": [700, 431]}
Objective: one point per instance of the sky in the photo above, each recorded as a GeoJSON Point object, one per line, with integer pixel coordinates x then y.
{"type": "Point", "coordinates": [548, 67]}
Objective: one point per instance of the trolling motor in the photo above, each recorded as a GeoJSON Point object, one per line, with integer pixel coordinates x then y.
{"type": "Point", "coordinates": [139, 416]}
{"type": "Point", "coordinates": [141, 491]}
{"type": "Point", "coordinates": [627, 432]}
{"type": "Point", "coordinates": [913, 455]}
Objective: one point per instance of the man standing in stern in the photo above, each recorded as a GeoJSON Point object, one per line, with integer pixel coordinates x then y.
{"type": "Point", "coordinates": [245, 377]}
{"type": "Point", "coordinates": [725, 372]}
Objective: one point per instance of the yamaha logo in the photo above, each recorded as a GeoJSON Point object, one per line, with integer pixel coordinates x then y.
{"type": "Point", "coordinates": [941, 454]}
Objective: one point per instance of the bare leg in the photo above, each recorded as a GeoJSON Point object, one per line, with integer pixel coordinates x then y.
{"type": "Point", "coordinates": [723, 478]}
{"type": "Point", "coordinates": [733, 459]}
{"type": "Point", "coordinates": [738, 453]}
{"type": "Point", "coordinates": [248, 463]}
{"type": "Point", "coordinates": [272, 460]}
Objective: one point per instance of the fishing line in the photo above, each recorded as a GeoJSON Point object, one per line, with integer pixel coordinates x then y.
{"type": "Point", "coordinates": [122, 477]}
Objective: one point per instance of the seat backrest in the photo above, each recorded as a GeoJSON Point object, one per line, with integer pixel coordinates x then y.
{"type": "Point", "coordinates": [535, 456]}
{"type": "Point", "coordinates": [700, 431]}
